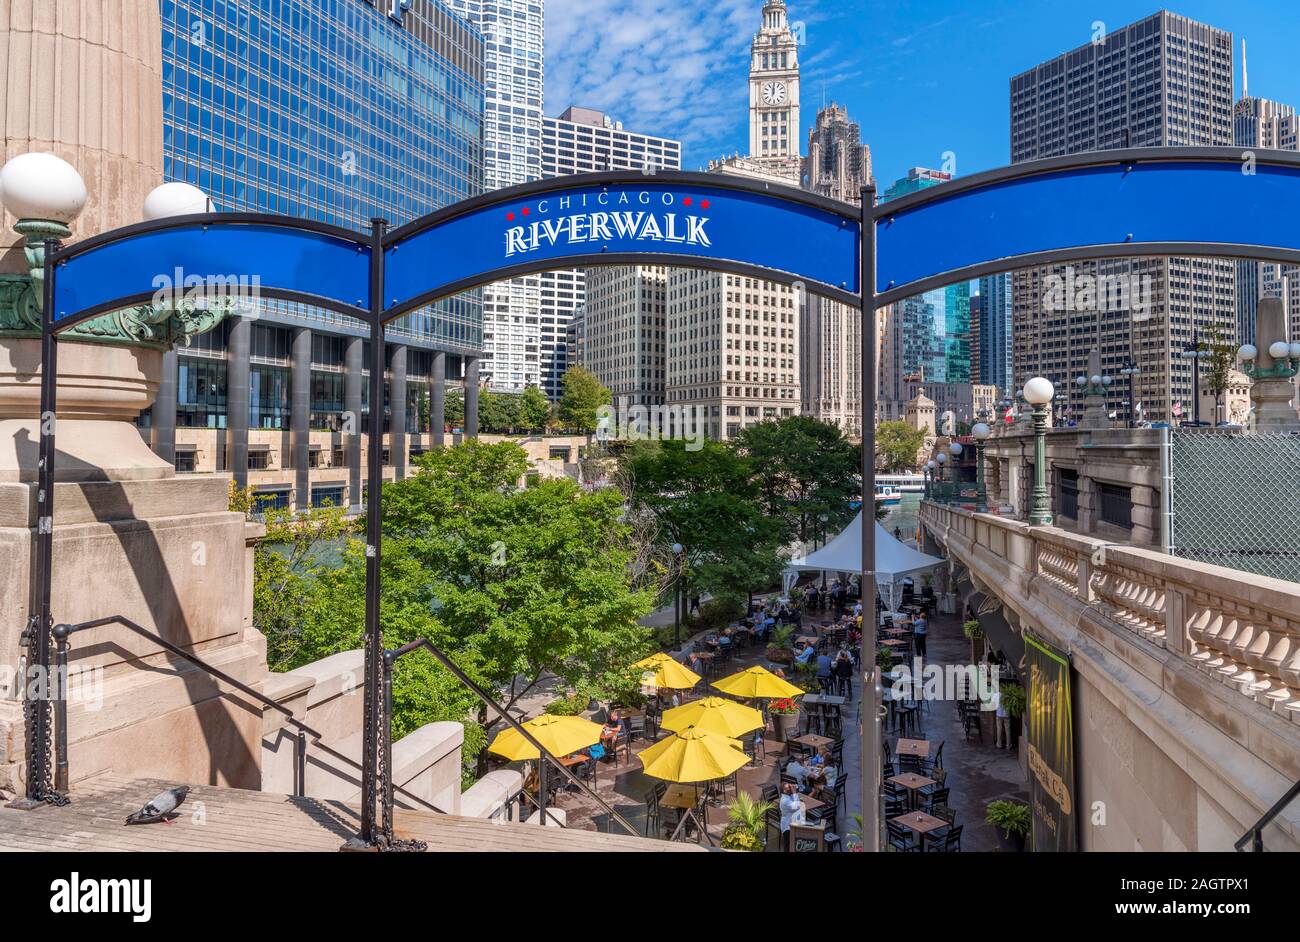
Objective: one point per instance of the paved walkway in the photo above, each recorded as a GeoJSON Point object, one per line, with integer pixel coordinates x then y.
{"type": "Point", "coordinates": [977, 772]}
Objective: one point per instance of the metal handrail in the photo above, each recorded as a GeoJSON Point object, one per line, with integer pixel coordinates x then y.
{"type": "Point", "coordinates": [61, 634]}
{"type": "Point", "coordinates": [390, 658]}
{"type": "Point", "coordinates": [1255, 835]}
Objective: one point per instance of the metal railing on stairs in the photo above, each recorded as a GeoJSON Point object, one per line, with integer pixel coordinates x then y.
{"type": "Point", "coordinates": [386, 746]}
{"type": "Point", "coordinates": [1255, 835]}
{"type": "Point", "coordinates": [62, 634]}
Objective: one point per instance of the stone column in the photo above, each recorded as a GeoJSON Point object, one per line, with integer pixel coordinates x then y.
{"type": "Point", "coordinates": [438, 397]}
{"type": "Point", "coordinates": [352, 382]}
{"type": "Point", "coordinates": [1145, 514]}
{"type": "Point", "coordinates": [397, 424]}
{"type": "Point", "coordinates": [1086, 520]}
{"type": "Point", "coordinates": [237, 387]}
{"type": "Point", "coordinates": [163, 434]}
{"type": "Point", "coordinates": [1015, 474]}
{"type": "Point", "coordinates": [300, 418]}
{"type": "Point", "coordinates": [471, 397]}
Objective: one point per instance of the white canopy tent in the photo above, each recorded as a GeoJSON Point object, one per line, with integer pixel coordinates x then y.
{"type": "Point", "coordinates": [895, 560]}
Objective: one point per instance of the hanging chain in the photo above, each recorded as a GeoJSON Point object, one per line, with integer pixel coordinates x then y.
{"type": "Point", "coordinates": [38, 714]}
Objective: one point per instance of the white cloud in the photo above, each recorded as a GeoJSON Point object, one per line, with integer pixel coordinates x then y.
{"type": "Point", "coordinates": [676, 68]}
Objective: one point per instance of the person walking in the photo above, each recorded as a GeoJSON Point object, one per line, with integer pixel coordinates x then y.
{"type": "Point", "coordinates": [920, 631]}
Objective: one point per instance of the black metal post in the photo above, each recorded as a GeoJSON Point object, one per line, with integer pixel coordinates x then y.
{"type": "Point", "coordinates": [61, 709]}
{"type": "Point", "coordinates": [374, 647]}
{"type": "Point", "coordinates": [300, 753]}
{"type": "Point", "coordinates": [36, 636]}
{"type": "Point", "coordinates": [869, 705]}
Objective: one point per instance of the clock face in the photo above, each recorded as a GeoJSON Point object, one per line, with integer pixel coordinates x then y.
{"type": "Point", "coordinates": [773, 92]}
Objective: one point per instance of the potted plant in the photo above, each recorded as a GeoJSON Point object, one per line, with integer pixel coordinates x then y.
{"type": "Point", "coordinates": [1013, 701]}
{"type": "Point", "coordinates": [785, 717]}
{"type": "Point", "coordinates": [1012, 820]}
{"type": "Point", "coordinates": [746, 821]}
{"type": "Point", "coordinates": [779, 650]}
{"type": "Point", "coordinates": [974, 633]}
{"type": "Point", "coordinates": [885, 658]}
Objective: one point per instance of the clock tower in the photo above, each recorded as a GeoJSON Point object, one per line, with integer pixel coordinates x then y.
{"type": "Point", "coordinates": [774, 89]}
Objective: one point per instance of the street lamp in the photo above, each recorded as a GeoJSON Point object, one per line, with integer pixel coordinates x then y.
{"type": "Point", "coordinates": [677, 597]}
{"type": "Point", "coordinates": [930, 467]}
{"type": "Point", "coordinates": [942, 459]}
{"type": "Point", "coordinates": [1130, 370]}
{"type": "Point", "coordinates": [981, 431]}
{"type": "Point", "coordinates": [954, 449]}
{"type": "Point", "coordinates": [1038, 393]}
{"type": "Point", "coordinates": [1193, 352]}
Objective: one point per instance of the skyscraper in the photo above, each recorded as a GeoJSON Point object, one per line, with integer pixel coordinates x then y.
{"type": "Point", "coordinates": [995, 318]}
{"type": "Point", "coordinates": [774, 93]}
{"type": "Point", "coordinates": [1163, 81]}
{"type": "Point", "coordinates": [583, 141]}
{"type": "Point", "coordinates": [830, 354]}
{"type": "Point", "coordinates": [336, 111]}
{"type": "Point", "coordinates": [513, 71]}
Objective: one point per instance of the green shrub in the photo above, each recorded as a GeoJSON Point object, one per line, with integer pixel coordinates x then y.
{"type": "Point", "coordinates": [1011, 816]}
{"type": "Point", "coordinates": [567, 706]}
{"type": "Point", "coordinates": [1013, 698]}
{"type": "Point", "coordinates": [972, 630]}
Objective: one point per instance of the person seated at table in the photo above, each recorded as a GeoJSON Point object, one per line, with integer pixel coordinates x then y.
{"type": "Point", "coordinates": [843, 670]}
{"type": "Point", "coordinates": [799, 772]}
{"type": "Point", "coordinates": [857, 610]}
{"type": "Point", "coordinates": [825, 673]}
{"type": "Point", "coordinates": [791, 810]}
{"type": "Point", "coordinates": [614, 726]}
{"type": "Point", "coordinates": [806, 655]}
{"type": "Point", "coordinates": [724, 638]}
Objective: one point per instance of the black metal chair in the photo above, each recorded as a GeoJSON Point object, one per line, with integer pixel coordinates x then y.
{"type": "Point", "coordinates": [636, 727]}
{"type": "Point", "coordinates": [900, 838]}
{"type": "Point", "coordinates": [937, 799]}
{"type": "Point", "coordinates": [948, 842]}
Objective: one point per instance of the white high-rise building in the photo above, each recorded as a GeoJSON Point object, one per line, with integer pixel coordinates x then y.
{"type": "Point", "coordinates": [585, 141]}
{"type": "Point", "coordinates": [733, 341]}
{"type": "Point", "coordinates": [1163, 81]}
{"type": "Point", "coordinates": [513, 66]}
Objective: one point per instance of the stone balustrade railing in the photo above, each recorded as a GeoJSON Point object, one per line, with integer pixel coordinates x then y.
{"type": "Point", "coordinates": [1238, 628]}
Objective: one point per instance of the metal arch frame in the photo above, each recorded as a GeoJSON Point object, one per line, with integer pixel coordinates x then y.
{"type": "Point", "coordinates": [868, 216]}
{"type": "Point", "coordinates": [749, 186]}
{"type": "Point", "coordinates": [206, 220]}
{"type": "Point", "coordinates": [1130, 156]}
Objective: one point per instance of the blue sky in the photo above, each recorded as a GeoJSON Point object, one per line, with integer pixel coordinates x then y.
{"type": "Point", "coordinates": [922, 78]}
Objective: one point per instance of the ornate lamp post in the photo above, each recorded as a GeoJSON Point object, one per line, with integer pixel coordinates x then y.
{"type": "Point", "coordinates": [954, 449]}
{"type": "Point", "coordinates": [942, 490]}
{"type": "Point", "coordinates": [981, 431]}
{"type": "Point", "coordinates": [1130, 370]}
{"type": "Point", "coordinates": [1193, 352]}
{"type": "Point", "coordinates": [1272, 370]}
{"type": "Point", "coordinates": [930, 467]}
{"type": "Point", "coordinates": [1038, 393]}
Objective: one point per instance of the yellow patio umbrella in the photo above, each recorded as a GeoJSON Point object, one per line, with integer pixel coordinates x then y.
{"type": "Point", "coordinates": [716, 715]}
{"type": "Point", "coordinates": [668, 673]}
{"type": "Point", "coordinates": [560, 735]}
{"type": "Point", "coordinates": [757, 682]}
{"type": "Point", "coordinates": [693, 755]}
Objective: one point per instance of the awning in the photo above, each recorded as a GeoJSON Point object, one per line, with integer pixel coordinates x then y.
{"type": "Point", "coordinates": [987, 609]}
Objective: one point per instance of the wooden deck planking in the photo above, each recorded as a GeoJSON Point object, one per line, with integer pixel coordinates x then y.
{"type": "Point", "coordinates": [238, 820]}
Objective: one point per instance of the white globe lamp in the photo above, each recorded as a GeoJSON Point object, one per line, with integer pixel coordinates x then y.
{"type": "Point", "coordinates": [41, 186]}
{"type": "Point", "coordinates": [175, 199]}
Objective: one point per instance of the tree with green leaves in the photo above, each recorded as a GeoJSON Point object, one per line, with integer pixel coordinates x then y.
{"type": "Point", "coordinates": [897, 445]}
{"type": "Point", "coordinates": [583, 394]}
{"type": "Point", "coordinates": [534, 409]}
{"type": "Point", "coordinates": [521, 583]}
{"type": "Point", "coordinates": [454, 408]}
{"type": "Point", "coordinates": [498, 412]}
{"type": "Point", "coordinates": [710, 502]}
{"type": "Point", "coordinates": [805, 470]}
{"type": "Point", "coordinates": [1220, 357]}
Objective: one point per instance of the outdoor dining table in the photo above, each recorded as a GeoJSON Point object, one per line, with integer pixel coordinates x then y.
{"type": "Point", "coordinates": [913, 747]}
{"type": "Point", "coordinates": [813, 741]}
{"type": "Point", "coordinates": [913, 783]}
{"type": "Point", "coordinates": [920, 822]}
{"type": "Point", "coordinates": [823, 699]}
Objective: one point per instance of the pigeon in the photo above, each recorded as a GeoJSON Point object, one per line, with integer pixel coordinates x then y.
{"type": "Point", "coordinates": [160, 806]}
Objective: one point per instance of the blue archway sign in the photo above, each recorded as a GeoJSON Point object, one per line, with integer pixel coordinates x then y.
{"type": "Point", "coordinates": [1216, 202]}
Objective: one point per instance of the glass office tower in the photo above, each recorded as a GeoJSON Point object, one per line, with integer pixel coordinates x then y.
{"type": "Point", "coordinates": [332, 110]}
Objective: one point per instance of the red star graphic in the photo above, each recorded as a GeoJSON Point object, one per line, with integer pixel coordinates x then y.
{"type": "Point", "coordinates": [524, 210]}
{"type": "Point", "coordinates": [686, 201]}
{"type": "Point", "coordinates": [704, 204]}
{"type": "Point", "coordinates": [510, 217]}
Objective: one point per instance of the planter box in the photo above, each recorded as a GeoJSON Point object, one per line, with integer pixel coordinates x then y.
{"type": "Point", "coordinates": [785, 726]}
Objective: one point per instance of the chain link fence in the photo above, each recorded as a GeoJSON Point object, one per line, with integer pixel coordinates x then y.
{"type": "Point", "coordinates": [1236, 500]}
